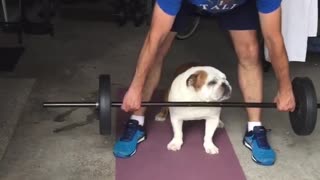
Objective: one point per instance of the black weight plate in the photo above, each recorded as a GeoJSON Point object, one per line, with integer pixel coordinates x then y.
{"type": "Point", "coordinates": [303, 119]}
{"type": "Point", "coordinates": [104, 104]}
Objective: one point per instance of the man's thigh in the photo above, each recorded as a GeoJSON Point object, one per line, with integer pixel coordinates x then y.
{"type": "Point", "coordinates": [244, 17]}
{"type": "Point", "coordinates": [243, 25]}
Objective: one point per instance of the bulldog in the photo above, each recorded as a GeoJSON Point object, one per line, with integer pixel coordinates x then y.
{"type": "Point", "coordinates": [196, 83]}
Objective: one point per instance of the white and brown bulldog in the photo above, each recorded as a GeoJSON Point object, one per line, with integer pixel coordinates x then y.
{"type": "Point", "coordinates": [196, 83]}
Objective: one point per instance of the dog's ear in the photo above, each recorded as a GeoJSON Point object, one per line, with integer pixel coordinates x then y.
{"type": "Point", "coordinates": [192, 79]}
{"type": "Point", "coordinates": [197, 79]}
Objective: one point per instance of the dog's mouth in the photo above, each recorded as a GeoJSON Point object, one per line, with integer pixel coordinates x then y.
{"type": "Point", "coordinates": [223, 98]}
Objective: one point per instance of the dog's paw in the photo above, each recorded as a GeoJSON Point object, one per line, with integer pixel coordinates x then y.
{"type": "Point", "coordinates": [160, 117]}
{"type": "Point", "coordinates": [221, 124]}
{"type": "Point", "coordinates": [175, 144]}
{"type": "Point", "coordinates": [210, 148]}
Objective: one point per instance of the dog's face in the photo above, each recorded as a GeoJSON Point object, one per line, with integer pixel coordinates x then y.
{"type": "Point", "coordinates": [209, 84]}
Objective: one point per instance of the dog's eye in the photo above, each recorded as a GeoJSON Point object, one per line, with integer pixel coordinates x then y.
{"type": "Point", "coordinates": [213, 82]}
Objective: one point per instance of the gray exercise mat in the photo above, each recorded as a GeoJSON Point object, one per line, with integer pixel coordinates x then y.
{"type": "Point", "coordinates": [13, 97]}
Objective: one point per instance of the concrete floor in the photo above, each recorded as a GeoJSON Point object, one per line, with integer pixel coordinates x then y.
{"type": "Point", "coordinates": [66, 68]}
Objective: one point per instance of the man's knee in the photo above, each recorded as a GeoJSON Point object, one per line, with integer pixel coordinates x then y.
{"type": "Point", "coordinates": [248, 55]}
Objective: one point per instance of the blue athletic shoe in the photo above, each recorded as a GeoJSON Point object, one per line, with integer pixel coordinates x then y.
{"type": "Point", "coordinates": [133, 134]}
{"type": "Point", "coordinates": [257, 142]}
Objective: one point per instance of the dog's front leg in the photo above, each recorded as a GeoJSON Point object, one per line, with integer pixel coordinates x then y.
{"type": "Point", "coordinates": [211, 126]}
{"type": "Point", "coordinates": [176, 142]}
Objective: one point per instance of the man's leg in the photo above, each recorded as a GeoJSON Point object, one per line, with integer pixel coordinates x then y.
{"type": "Point", "coordinates": [134, 132]}
{"type": "Point", "coordinates": [249, 69]}
{"type": "Point", "coordinates": [251, 84]}
{"type": "Point", "coordinates": [242, 24]}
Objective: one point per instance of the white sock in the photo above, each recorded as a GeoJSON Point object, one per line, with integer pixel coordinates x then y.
{"type": "Point", "coordinates": [140, 119]}
{"type": "Point", "coordinates": [251, 125]}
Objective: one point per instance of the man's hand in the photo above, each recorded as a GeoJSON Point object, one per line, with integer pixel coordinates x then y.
{"type": "Point", "coordinates": [285, 100]}
{"type": "Point", "coordinates": [132, 100]}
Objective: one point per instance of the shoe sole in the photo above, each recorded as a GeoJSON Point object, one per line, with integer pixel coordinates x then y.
{"type": "Point", "coordinates": [139, 141]}
{"type": "Point", "coordinates": [247, 145]}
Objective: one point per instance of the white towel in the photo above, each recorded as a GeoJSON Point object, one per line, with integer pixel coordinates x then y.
{"type": "Point", "coordinates": [299, 21]}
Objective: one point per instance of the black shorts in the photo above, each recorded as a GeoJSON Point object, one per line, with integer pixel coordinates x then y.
{"type": "Point", "coordinates": [244, 17]}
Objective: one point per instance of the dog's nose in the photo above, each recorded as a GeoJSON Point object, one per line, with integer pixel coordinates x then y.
{"type": "Point", "coordinates": [224, 86]}
{"type": "Point", "coordinates": [226, 89]}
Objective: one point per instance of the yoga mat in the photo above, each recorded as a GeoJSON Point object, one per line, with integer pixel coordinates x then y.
{"type": "Point", "coordinates": [153, 161]}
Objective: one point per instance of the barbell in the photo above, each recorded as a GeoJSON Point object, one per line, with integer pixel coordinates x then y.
{"type": "Point", "coordinates": [303, 119]}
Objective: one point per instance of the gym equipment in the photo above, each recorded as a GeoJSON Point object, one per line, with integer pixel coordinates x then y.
{"type": "Point", "coordinates": [37, 28]}
{"type": "Point", "coordinates": [5, 13]}
{"type": "Point", "coordinates": [120, 12]}
{"type": "Point", "coordinates": [24, 25]}
{"type": "Point", "coordinates": [139, 13]}
{"type": "Point", "coordinates": [303, 119]}
{"type": "Point", "coordinates": [125, 10]}
{"type": "Point", "coordinates": [138, 18]}
{"type": "Point", "coordinates": [8, 26]}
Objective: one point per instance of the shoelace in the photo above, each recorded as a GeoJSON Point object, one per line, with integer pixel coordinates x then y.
{"type": "Point", "coordinates": [261, 138]}
{"type": "Point", "coordinates": [129, 132]}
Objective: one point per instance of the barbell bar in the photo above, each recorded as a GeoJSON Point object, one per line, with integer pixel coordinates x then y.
{"type": "Point", "coordinates": [172, 104]}
{"type": "Point", "coordinates": [303, 118]}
